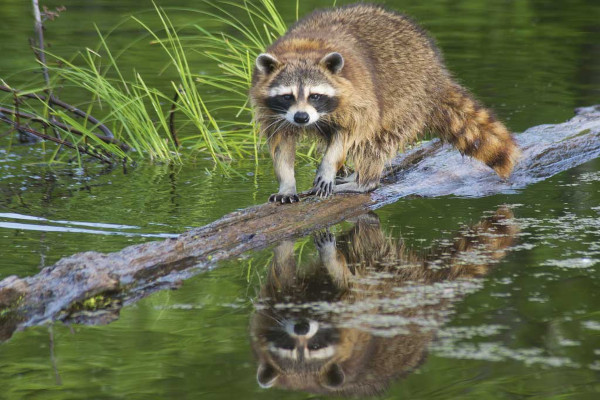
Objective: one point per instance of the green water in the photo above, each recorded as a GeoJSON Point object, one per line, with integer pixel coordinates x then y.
{"type": "Point", "coordinates": [528, 328]}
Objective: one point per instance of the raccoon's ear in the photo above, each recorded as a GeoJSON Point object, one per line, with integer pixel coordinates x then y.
{"type": "Point", "coordinates": [266, 63]}
{"type": "Point", "coordinates": [334, 62]}
{"type": "Point", "coordinates": [266, 375]}
{"type": "Point", "coordinates": [334, 377]}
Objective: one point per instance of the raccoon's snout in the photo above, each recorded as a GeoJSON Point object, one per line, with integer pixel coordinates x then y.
{"type": "Point", "coordinates": [301, 117]}
{"type": "Point", "coordinates": [302, 327]}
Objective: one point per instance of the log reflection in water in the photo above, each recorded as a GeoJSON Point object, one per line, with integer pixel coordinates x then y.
{"type": "Point", "coordinates": [364, 311]}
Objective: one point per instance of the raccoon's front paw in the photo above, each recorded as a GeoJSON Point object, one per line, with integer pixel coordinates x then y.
{"type": "Point", "coordinates": [323, 239]}
{"type": "Point", "coordinates": [322, 187]}
{"type": "Point", "coordinates": [284, 198]}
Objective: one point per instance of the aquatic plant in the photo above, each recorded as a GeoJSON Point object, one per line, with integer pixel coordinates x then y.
{"type": "Point", "coordinates": [148, 122]}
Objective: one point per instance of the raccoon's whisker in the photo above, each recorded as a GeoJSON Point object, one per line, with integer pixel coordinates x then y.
{"type": "Point", "coordinates": [278, 320]}
{"type": "Point", "coordinates": [319, 128]}
{"type": "Point", "coordinates": [282, 125]}
{"type": "Point", "coordinates": [326, 120]}
{"type": "Point", "coordinates": [269, 109]}
{"type": "Point", "coordinates": [271, 124]}
{"type": "Point", "coordinates": [272, 117]}
{"type": "Point", "coordinates": [277, 129]}
{"type": "Point", "coordinates": [285, 124]}
{"type": "Point", "coordinates": [283, 110]}
{"type": "Point", "coordinates": [275, 120]}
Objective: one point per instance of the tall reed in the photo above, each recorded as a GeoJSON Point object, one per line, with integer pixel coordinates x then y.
{"type": "Point", "coordinates": [139, 114]}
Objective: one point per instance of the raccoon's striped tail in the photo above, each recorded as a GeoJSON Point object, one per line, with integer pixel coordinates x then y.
{"type": "Point", "coordinates": [473, 130]}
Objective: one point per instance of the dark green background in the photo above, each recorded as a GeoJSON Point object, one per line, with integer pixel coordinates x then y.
{"type": "Point", "coordinates": [533, 62]}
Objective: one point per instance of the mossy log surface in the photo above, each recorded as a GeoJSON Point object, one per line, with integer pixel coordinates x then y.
{"type": "Point", "coordinates": [64, 290]}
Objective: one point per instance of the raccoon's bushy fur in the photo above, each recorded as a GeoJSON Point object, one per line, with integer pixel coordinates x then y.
{"type": "Point", "coordinates": [386, 84]}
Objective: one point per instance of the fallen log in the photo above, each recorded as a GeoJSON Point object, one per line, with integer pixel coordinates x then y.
{"type": "Point", "coordinates": [93, 280]}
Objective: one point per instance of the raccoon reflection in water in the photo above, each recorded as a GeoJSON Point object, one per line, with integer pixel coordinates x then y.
{"type": "Point", "coordinates": [364, 312]}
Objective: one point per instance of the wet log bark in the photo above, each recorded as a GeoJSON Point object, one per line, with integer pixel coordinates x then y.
{"type": "Point", "coordinates": [111, 280]}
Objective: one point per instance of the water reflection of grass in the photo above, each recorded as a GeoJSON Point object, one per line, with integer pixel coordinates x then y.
{"type": "Point", "coordinates": [156, 123]}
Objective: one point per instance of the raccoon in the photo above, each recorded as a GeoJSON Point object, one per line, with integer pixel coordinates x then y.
{"type": "Point", "coordinates": [367, 81]}
{"type": "Point", "coordinates": [302, 345]}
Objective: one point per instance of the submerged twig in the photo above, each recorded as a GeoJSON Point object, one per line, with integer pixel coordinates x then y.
{"type": "Point", "coordinates": [41, 56]}
{"type": "Point", "coordinates": [36, 118]}
{"type": "Point", "coordinates": [172, 119]}
{"type": "Point", "coordinates": [23, 137]}
{"type": "Point", "coordinates": [76, 111]}
{"type": "Point", "coordinates": [39, 30]}
{"type": "Point", "coordinates": [57, 377]}
{"type": "Point", "coordinates": [102, 157]}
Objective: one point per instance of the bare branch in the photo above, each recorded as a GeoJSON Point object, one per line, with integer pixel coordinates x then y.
{"type": "Point", "coordinates": [39, 30]}
{"type": "Point", "coordinates": [102, 157]}
{"type": "Point", "coordinates": [76, 111]}
{"type": "Point", "coordinates": [61, 125]}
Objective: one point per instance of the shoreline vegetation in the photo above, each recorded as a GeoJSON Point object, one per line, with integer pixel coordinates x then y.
{"type": "Point", "coordinates": [126, 120]}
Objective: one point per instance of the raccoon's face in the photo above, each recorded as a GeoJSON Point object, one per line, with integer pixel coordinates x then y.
{"type": "Point", "coordinates": [301, 340]}
{"type": "Point", "coordinates": [300, 92]}
{"type": "Point", "coordinates": [299, 347]}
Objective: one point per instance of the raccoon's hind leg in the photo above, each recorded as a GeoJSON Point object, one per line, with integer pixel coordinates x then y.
{"type": "Point", "coordinates": [355, 187]}
{"type": "Point", "coordinates": [345, 179]}
{"type": "Point", "coordinates": [332, 161]}
{"type": "Point", "coordinates": [474, 131]}
{"type": "Point", "coordinates": [283, 152]}
{"type": "Point", "coordinates": [369, 163]}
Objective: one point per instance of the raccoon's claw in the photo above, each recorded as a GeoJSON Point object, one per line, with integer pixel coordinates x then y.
{"type": "Point", "coordinates": [283, 198]}
{"type": "Point", "coordinates": [322, 187]}
{"type": "Point", "coordinates": [323, 238]}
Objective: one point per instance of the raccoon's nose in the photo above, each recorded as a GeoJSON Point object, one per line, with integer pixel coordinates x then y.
{"type": "Point", "coordinates": [301, 117]}
{"type": "Point", "coordinates": [301, 328]}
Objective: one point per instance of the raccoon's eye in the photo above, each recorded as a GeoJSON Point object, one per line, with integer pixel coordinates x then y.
{"type": "Point", "coordinates": [316, 346]}
{"type": "Point", "coordinates": [314, 96]}
{"type": "Point", "coordinates": [287, 346]}
{"type": "Point", "coordinates": [288, 97]}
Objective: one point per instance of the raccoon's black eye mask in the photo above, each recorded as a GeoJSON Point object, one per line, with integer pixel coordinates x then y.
{"type": "Point", "coordinates": [322, 103]}
{"type": "Point", "coordinates": [280, 104]}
